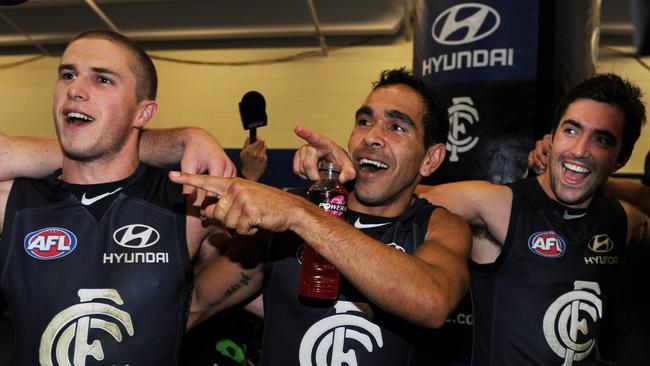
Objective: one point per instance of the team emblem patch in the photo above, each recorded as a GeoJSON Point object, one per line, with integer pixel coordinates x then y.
{"type": "Point", "coordinates": [547, 244]}
{"type": "Point", "coordinates": [50, 243]}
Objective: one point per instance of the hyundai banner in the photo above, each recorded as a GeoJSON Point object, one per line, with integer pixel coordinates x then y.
{"type": "Point", "coordinates": [483, 56]}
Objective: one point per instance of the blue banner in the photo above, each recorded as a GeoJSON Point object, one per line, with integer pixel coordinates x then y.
{"type": "Point", "coordinates": [483, 56]}
{"type": "Point", "coordinates": [458, 42]}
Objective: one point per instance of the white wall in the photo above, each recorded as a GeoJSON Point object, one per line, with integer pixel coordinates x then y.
{"type": "Point", "coordinates": [319, 93]}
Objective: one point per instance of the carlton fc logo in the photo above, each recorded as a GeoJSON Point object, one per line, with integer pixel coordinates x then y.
{"type": "Point", "coordinates": [465, 23]}
{"type": "Point", "coordinates": [50, 243]}
{"type": "Point", "coordinates": [547, 244]}
{"type": "Point", "coordinates": [70, 337]}
{"type": "Point", "coordinates": [336, 339]}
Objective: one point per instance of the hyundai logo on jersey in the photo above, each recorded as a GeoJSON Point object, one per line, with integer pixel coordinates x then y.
{"type": "Point", "coordinates": [136, 236]}
{"type": "Point", "coordinates": [50, 243]}
{"type": "Point", "coordinates": [547, 244]}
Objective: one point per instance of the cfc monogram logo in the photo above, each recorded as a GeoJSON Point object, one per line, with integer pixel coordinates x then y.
{"type": "Point", "coordinates": [567, 322]}
{"type": "Point", "coordinates": [327, 338]}
{"type": "Point", "coordinates": [461, 114]}
{"type": "Point", "coordinates": [67, 333]}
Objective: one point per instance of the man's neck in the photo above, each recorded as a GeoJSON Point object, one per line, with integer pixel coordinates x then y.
{"type": "Point", "coordinates": [394, 208]}
{"type": "Point", "coordinates": [544, 181]}
{"type": "Point", "coordinates": [98, 171]}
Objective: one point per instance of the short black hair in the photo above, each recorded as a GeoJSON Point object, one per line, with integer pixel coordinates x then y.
{"type": "Point", "coordinates": [613, 90]}
{"type": "Point", "coordinates": [435, 119]}
{"type": "Point", "coordinates": [143, 69]}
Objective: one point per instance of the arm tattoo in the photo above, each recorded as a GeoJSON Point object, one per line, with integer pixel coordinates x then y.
{"type": "Point", "coordinates": [243, 281]}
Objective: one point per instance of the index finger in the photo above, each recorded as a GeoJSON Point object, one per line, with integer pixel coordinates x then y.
{"type": "Point", "coordinates": [216, 185]}
{"type": "Point", "coordinates": [313, 138]}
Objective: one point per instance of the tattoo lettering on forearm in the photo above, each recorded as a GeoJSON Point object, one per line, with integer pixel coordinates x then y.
{"type": "Point", "coordinates": [243, 281]}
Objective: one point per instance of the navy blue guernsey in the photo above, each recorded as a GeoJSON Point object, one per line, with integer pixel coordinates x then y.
{"type": "Point", "coordinates": [542, 302]}
{"type": "Point", "coordinates": [113, 291]}
{"type": "Point", "coordinates": [351, 331]}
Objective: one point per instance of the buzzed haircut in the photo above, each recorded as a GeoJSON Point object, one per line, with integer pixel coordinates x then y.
{"type": "Point", "coordinates": [618, 92]}
{"type": "Point", "coordinates": [143, 69]}
{"type": "Point", "coordinates": [435, 119]}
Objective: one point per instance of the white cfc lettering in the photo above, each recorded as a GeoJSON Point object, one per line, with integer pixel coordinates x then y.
{"type": "Point", "coordinates": [567, 322]}
{"type": "Point", "coordinates": [461, 115]}
{"type": "Point", "coordinates": [67, 333]}
{"type": "Point", "coordinates": [328, 341]}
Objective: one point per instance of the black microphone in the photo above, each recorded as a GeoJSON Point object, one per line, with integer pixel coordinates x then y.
{"type": "Point", "coordinates": [252, 110]}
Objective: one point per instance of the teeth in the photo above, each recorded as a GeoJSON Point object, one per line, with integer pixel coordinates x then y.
{"type": "Point", "coordinates": [575, 168]}
{"type": "Point", "coordinates": [373, 163]}
{"type": "Point", "coordinates": [77, 115]}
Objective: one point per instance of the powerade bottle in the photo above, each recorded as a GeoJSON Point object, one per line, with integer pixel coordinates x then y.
{"type": "Point", "coordinates": [318, 278]}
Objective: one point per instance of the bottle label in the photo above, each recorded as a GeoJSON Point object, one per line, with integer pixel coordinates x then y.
{"type": "Point", "coordinates": [333, 203]}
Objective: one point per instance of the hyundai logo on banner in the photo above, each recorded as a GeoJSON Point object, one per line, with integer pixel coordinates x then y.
{"type": "Point", "coordinates": [472, 42]}
{"type": "Point", "coordinates": [450, 28]}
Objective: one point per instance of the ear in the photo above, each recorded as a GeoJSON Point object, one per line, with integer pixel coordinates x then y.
{"type": "Point", "coordinates": [146, 111]}
{"type": "Point", "coordinates": [434, 156]}
{"type": "Point", "coordinates": [620, 164]}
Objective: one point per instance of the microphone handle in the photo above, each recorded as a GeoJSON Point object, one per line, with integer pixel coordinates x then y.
{"type": "Point", "coordinates": [252, 135]}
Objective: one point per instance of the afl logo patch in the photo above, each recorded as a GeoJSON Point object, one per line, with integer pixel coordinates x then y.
{"type": "Point", "coordinates": [50, 243]}
{"type": "Point", "coordinates": [547, 244]}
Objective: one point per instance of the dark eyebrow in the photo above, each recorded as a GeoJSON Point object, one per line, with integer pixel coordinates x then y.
{"type": "Point", "coordinates": [67, 67]}
{"type": "Point", "coordinates": [401, 116]}
{"type": "Point", "coordinates": [364, 110]}
{"type": "Point", "coordinates": [603, 133]}
{"type": "Point", "coordinates": [98, 70]}
{"type": "Point", "coordinates": [103, 70]}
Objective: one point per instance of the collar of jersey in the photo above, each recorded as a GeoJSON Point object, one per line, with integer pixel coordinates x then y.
{"type": "Point", "coordinates": [125, 183]}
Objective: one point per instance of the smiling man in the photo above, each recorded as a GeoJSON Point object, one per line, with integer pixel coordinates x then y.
{"type": "Point", "coordinates": [95, 259]}
{"type": "Point", "coordinates": [403, 261]}
{"type": "Point", "coordinates": [542, 287]}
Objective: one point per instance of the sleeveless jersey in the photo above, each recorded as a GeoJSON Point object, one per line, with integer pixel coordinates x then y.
{"type": "Point", "coordinates": [351, 331]}
{"type": "Point", "coordinates": [543, 300]}
{"type": "Point", "coordinates": [113, 291]}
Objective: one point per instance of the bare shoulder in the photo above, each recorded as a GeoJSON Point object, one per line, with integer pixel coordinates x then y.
{"type": "Point", "coordinates": [638, 225]}
{"type": "Point", "coordinates": [5, 188]}
{"type": "Point", "coordinates": [449, 230]}
{"type": "Point", "coordinates": [475, 201]}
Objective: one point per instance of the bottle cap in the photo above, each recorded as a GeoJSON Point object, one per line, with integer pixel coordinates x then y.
{"type": "Point", "coordinates": [328, 165]}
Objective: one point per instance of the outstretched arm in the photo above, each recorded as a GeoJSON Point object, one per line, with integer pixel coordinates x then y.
{"type": "Point", "coordinates": [482, 204]}
{"type": "Point", "coordinates": [196, 150]}
{"type": "Point", "coordinates": [437, 274]}
{"type": "Point", "coordinates": [635, 193]}
{"type": "Point", "coordinates": [28, 157]}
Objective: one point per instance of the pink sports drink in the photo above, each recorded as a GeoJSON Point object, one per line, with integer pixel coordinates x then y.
{"type": "Point", "coordinates": [318, 278]}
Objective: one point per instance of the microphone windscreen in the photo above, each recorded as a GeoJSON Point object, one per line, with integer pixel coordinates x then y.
{"type": "Point", "coordinates": [252, 110]}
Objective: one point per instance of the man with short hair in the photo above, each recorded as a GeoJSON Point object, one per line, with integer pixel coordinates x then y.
{"type": "Point", "coordinates": [403, 263]}
{"type": "Point", "coordinates": [95, 259]}
{"type": "Point", "coordinates": [541, 292]}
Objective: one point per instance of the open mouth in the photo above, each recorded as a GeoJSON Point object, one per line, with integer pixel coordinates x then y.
{"type": "Point", "coordinates": [77, 118]}
{"type": "Point", "coordinates": [371, 166]}
{"type": "Point", "coordinates": [574, 172]}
